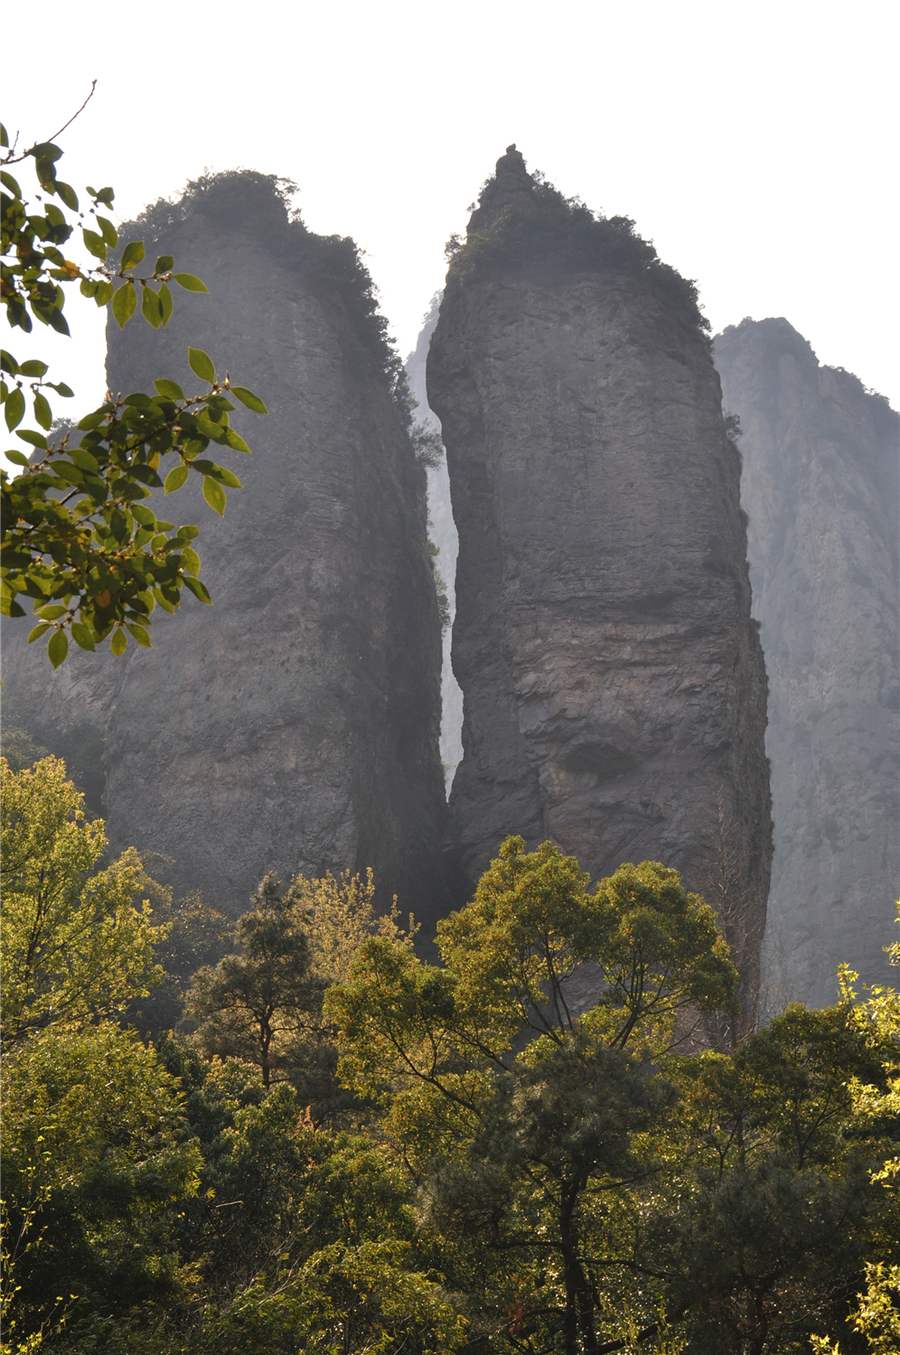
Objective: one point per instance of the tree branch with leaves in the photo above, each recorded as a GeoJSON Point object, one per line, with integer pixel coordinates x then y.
{"type": "Point", "coordinates": [78, 536]}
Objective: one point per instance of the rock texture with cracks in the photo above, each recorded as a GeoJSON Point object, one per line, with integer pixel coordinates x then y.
{"type": "Point", "coordinates": [613, 681]}
{"type": "Point", "coordinates": [820, 485]}
{"type": "Point", "coordinates": [294, 724]}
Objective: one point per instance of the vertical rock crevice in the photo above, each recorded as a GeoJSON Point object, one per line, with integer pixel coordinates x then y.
{"type": "Point", "coordinates": [613, 681]}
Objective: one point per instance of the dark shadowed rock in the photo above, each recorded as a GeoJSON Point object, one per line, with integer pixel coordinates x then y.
{"type": "Point", "coordinates": [294, 724]}
{"type": "Point", "coordinates": [613, 681]}
{"type": "Point", "coordinates": [820, 485]}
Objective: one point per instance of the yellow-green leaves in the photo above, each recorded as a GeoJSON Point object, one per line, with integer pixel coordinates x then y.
{"type": "Point", "coordinates": [74, 945]}
{"type": "Point", "coordinates": [132, 255]}
{"type": "Point", "coordinates": [15, 408]}
{"type": "Point", "coordinates": [247, 398]}
{"type": "Point", "coordinates": [150, 307]}
{"type": "Point", "coordinates": [201, 364]}
{"type": "Point", "coordinates": [214, 494]}
{"type": "Point", "coordinates": [176, 477]}
{"type": "Point", "coordinates": [124, 304]}
{"type": "Point", "coordinates": [58, 647]}
{"type": "Point", "coordinates": [189, 282]}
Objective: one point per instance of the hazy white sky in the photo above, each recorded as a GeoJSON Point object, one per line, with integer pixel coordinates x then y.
{"type": "Point", "coordinates": [754, 143]}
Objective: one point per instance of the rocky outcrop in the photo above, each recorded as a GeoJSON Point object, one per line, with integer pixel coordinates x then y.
{"type": "Point", "coordinates": [613, 681]}
{"type": "Point", "coordinates": [294, 724]}
{"type": "Point", "coordinates": [820, 485]}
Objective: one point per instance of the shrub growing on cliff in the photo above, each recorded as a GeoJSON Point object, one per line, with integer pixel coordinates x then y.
{"type": "Point", "coordinates": [555, 233]}
{"type": "Point", "coordinates": [331, 264]}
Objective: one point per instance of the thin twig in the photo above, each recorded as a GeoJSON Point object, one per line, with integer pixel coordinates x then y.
{"type": "Point", "coordinates": [13, 161]}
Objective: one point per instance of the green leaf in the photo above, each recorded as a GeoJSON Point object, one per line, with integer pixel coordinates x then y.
{"type": "Point", "coordinates": [143, 515]}
{"type": "Point", "coordinates": [134, 253]}
{"type": "Point", "coordinates": [214, 495]}
{"type": "Point", "coordinates": [119, 641]}
{"type": "Point", "coordinates": [46, 150]}
{"type": "Point", "coordinates": [15, 408]}
{"type": "Point", "coordinates": [104, 293]}
{"type": "Point", "coordinates": [105, 195]}
{"type": "Point", "coordinates": [82, 636]}
{"type": "Point", "coordinates": [201, 364]}
{"type": "Point", "coordinates": [176, 478]}
{"type": "Point", "coordinates": [248, 398]}
{"type": "Point", "coordinates": [85, 460]}
{"type": "Point", "coordinates": [39, 631]}
{"type": "Point", "coordinates": [150, 307]}
{"type": "Point", "coordinates": [197, 588]}
{"type": "Point", "coordinates": [42, 410]}
{"type": "Point", "coordinates": [139, 634]}
{"type": "Point", "coordinates": [58, 647]}
{"type": "Point", "coordinates": [4, 136]}
{"type": "Point", "coordinates": [191, 560]}
{"type": "Point", "coordinates": [107, 229]}
{"type": "Point", "coordinates": [51, 613]}
{"type": "Point", "coordinates": [56, 320]}
{"type": "Point", "coordinates": [92, 420]}
{"type": "Point", "coordinates": [166, 305]}
{"type": "Point", "coordinates": [33, 367]}
{"type": "Point", "coordinates": [17, 458]}
{"type": "Point", "coordinates": [8, 362]}
{"type": "Point", "coordinates": [66, 471]}
{"type": "Point", "coordinates": [35, 439]}
{"type": "Point", "coordinates": [164, 263]}
{"type": "Point", "coordinates": [61, 389]}
{"type": "Point", "coordinates": [235, 441]}
{"type": "Point", "coordinates": [70, 198]}
{"type": "Point", "coordinates": [192, 447]}
{"type": "Point", "coordinates": [124, 304]}
{"type": "Point", "coordinates": [220, 473]}
{"type": "Point", "coordinates": [189, 282]}
{"type": "Point", "coordinates": [170, 389]}
{"type": "Point", "coordinates": [95, 244]}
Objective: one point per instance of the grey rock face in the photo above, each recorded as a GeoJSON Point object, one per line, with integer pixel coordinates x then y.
{"type": "Point", "coordinates": [820, 485]}
{"type": "Point", "coordinates": [294, 724]}
{"type": "Point", "coordinates": [613, 681]}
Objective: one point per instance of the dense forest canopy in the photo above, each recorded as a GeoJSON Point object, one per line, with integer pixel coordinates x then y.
{"type": "Point", "coordinates": [331, 1145]}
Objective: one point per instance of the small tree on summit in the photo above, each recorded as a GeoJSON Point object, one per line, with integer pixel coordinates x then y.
{"type": "Point", "coordinates": [260, 1003]}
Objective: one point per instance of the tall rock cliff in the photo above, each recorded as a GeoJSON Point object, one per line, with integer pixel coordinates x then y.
{"type": "Point", "coordinates": [613, 682]}
{"type": "Point", "coordinates": [820, 485]}
{"type": "Point", "coordinates": [294, 724]}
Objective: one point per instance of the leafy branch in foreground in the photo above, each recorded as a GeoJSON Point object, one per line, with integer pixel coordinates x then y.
{"type": "Point", "coordinates": [78, 537]}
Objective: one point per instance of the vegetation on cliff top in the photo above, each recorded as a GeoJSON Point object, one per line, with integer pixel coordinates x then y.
{"type": "Point", "coordinates": [261, 205]}
{"type": "Point", "coordinates": [559, 234]}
